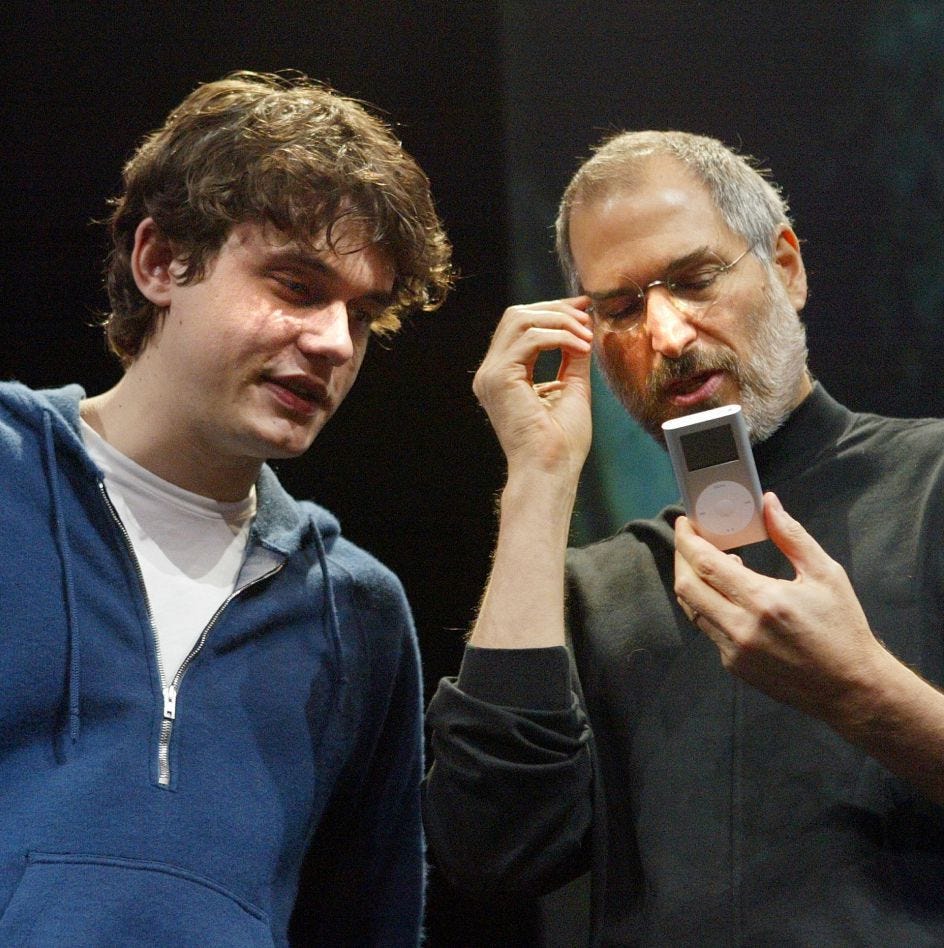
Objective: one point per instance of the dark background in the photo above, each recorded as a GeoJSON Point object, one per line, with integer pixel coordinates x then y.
{"type": "Point", "coordinates": [498, 101]}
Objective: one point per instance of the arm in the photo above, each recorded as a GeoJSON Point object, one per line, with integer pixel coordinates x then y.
{"type": "Point", "coordinates": [545, 433]}
{"type": "Point", "coordinates": [807, 643]}
{"type": "Point", "coordinates": [507, 801]}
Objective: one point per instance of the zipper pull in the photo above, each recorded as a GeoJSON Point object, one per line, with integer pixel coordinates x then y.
{"type": "Point", "coordinates": [170, 703]}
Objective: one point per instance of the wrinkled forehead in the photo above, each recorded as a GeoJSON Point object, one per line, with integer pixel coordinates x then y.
{"type": "Point", "coordinates": [631, 231]}
{"type": "Point", "coordinates": [655, 187]}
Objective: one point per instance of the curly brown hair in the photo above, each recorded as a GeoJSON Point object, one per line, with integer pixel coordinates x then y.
{"type": "Point", "coordinates": [279, 150]}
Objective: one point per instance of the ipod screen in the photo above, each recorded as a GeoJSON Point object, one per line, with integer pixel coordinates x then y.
{"type": "Point", "coordinates": [708, 447]}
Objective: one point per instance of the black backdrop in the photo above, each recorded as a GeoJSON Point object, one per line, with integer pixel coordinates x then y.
{"type": "Point", "coordinates": [497, 99]}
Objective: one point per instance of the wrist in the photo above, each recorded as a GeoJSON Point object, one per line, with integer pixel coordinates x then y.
{"type": "Point", "coordinates": [537, 484]}
{"type": "Point", "coordinates": [899, 720]}
{"type": "Point", "coordinates": [872, 696]}
{"type": "Point", "coordinates": [545, 502]}
{"type": "Point", "coordinates": [552, 459]}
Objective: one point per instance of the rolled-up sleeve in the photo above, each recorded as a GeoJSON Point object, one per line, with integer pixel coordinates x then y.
{"type": "Point", "coordinates": [508, 803]}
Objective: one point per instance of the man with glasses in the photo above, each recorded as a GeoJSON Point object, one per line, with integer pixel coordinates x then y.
{"type": "Point", "coordinates": [740, 749]}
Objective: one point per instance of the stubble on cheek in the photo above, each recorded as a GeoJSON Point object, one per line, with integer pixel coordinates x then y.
{"type": "Point", "coordinates": [773, 343]}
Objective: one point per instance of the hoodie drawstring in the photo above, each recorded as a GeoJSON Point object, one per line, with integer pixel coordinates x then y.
{"type": "Point", "coordinates": [62, 546]}
{"type": "Point", "coordinates": [332, 616]}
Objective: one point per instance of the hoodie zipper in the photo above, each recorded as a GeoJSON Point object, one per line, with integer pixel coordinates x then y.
{"type": "Point", "coordinates": [170, 691]}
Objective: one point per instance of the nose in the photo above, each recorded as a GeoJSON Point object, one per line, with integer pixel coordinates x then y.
{"type": "Point", "coordinates": [326, 334]}
{"type": "Point", "coordinates": [669, 328]}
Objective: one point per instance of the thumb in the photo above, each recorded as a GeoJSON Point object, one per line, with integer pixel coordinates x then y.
{"type": "Point", "coordinates": [791, 538]}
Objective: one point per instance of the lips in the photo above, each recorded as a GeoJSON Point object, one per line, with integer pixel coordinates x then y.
{"type": "Point", "coordinates": [299, 393]}
{"type": "Point", "coordinates": [693, 389]}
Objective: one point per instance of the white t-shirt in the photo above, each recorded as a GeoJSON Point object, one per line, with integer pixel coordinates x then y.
{"type": "Point", "coordinates": [190, 548]}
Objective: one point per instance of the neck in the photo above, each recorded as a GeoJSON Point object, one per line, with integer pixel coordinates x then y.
{"type": "Point", "coordinates": [144, 430]}
{"type": "Point", "coordinates": [806, 386]}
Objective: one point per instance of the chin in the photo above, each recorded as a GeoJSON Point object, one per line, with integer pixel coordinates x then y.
{"type": "Point", "coordinates": [276, 443]}
{"type": "Point", "coordinates": [294, 448]}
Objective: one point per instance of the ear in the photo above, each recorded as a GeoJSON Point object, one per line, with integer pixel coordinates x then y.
{"type": "Point", "coordinates": [788, 262]}
{"type": "Point", "coordinates": [151, 261]}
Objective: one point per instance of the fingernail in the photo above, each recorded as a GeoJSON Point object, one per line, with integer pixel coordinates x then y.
{"type": "Point", "coordinates": [775, 502]}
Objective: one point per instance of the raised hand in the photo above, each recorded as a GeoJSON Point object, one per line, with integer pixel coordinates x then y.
{"type": "Point", "coordinates": [545, 432]}
{"type": "Point", "coordinates": [544, 427]}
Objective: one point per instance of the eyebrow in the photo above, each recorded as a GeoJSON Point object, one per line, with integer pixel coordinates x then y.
{"type": "Point", "coordinates": [295, 257]}
{"type": "Point", "coordinates": [679, 263]}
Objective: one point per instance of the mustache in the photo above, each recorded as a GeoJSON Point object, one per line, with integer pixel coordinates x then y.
{"type": "Point", "coordinates": [689, 364]}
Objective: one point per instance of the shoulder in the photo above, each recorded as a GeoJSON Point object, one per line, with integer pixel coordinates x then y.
{"type": "Point", "coordinates": [376, 591]}
{"type": "Point", "coordinates": [375, 583]}
{"type": "Point", "coordinates": [901, 455]}
{"type": "Point", "coordinates": [882, 431]}
{"type": "Point", "coordinates": [308, 530]}
{"type": "Point", "coordinates": [24, 412]}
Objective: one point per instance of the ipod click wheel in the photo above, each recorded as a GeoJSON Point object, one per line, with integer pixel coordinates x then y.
{"type": "Point", "coordinates": [713, 463]}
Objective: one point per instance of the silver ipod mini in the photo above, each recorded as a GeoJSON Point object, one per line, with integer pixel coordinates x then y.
{"type": "Point", "coordinates": [714, 466]}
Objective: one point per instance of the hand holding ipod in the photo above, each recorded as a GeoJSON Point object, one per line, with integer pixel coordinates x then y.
{"type": "Point", "coordinates": [713, 463]}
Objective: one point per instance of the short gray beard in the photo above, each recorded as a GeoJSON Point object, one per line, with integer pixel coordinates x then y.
{"type": "Point", "coordinates": [768, 379]}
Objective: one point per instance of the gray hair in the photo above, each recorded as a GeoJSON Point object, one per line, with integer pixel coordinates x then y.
{"type": "Point", "coordinates": [749, 202]}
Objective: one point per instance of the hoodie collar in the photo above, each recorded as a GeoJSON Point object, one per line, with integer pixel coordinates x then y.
{"type": "Point", "coordinates": [280, 524]}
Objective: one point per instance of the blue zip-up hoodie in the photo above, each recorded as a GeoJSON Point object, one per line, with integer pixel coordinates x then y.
{"type": "Point", "coordinates": [126, 818]}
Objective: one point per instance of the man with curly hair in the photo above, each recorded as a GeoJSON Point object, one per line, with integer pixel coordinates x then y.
{"type": "Point", "coordinates": [205, 685]}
